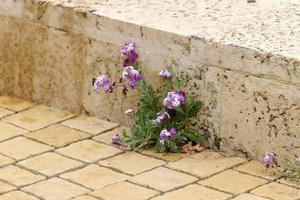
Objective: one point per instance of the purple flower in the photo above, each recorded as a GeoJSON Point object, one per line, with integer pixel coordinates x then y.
{"type": "Point", "coordinates": [165, 74]}
{"type": "Point", "coordinates": [132, 75]}
{"type": "Point", "coordinates": [127, 49]}
{"type": "Point", "coordinates": [102, 81]}
{"type": "Point", "coordinates": [166, 135]}
{"type": "Point", "coordinates": [129, 111]}
{"type": "Point", "coordinates": [116, 140]}
{"type": "Point", "coordinates": [270, 160]}
{"type": "Point", "coordinates": [174, 99]}
{"type": "Point", "coordinates": [128, 54]}
{"type": "Point", "coordinates": [160, 118]}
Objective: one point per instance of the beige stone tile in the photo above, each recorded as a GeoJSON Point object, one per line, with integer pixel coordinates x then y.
{"type": "Point", "coordinates": [289, 182]}
{"type": "Point", "coordinates": [106, 137]}
{"type": "Point", "coordinates": [5, 112]}
{"type": "Point", "coordinates": [20, 148]}
{"type": "Point", "coordinates": [17, 195]}
{"type": "Point", "coordinates": [94, 177]}
{"type": "Point", "coordinates": [89, 151]}
{"type": "Point", "coordinates": [38, 117]}
{"type": "Point", "coordinates": [4, 187]}
{"type": "Point", "coordinates": [233, 182]}
{"type": "Point", "coordinates": [50, 164]}
{"type": "Point", "coordinates": [8, 131]}
{"type": "Point", "coordinates": [277, 191]}
{"type": "Point", "coordinates": [205, 164]}
{"type": "Point", "coordinates": [128, 163]}
{"type": "Point", "coordinates": [14, 103]}
{"type": "Point", "coordinates": [247, 196]}
{"type": "Point", "coordinates": [163, 179]}
{"type": "Point", "coordinates": [57, 135]}
{"type": "Point", "coordinates": [91, 125]}
{"type": "Point", "coordinates": [258, 169]}
{"type": "Point", "coordinates": [194, 192]}
{"type": "Point", "coordinates": [124, 191]}
{"type": "Point", "coordinates": [56, 189]}
{"type": "Point", "coordinates": [170, 157]}
{"type": "Point", "coordinates": [5, 160]}
{"type": "Point", "coordinates": [85, 197]}
{"type": "Point", "coordinates": [18, 176]}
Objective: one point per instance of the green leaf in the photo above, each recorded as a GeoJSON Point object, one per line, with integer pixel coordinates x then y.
{"type": "Point", "coordinates": [192, 136]}
{"type": "Point", "coordinates": [160, 147]}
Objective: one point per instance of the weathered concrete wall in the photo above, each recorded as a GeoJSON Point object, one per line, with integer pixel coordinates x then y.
{"type": "Point", "coordinates": [49, 53]}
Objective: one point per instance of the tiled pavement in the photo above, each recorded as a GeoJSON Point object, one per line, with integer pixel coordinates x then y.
{"type": "Point", "coordinates": [54, 155]}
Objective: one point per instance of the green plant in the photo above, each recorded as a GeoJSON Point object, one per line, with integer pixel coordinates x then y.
{"type": "Point", "coordinates": [145, 133]}
{"type": "Point", "coordinates": [162, 119]}
{"type": "Point", "coordinates": [292, 170]}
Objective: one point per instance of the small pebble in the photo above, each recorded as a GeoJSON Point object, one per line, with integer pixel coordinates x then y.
{"type": "Point", "coordinates": [251, 1]}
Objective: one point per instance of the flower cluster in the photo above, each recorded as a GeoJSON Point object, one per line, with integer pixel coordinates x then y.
{"type": "Point", "coordinates": [130, 74]}
{"type": "Point", "coordinates": [165, 74]}
{"type": "Point", "coordinates": [103, 82]}
{"type": "Point", "coordinates": [128, 54]}
{"type": "Point", "coordinates": [166, 135]}
{"type": "Point", "coordinates": [116, 140]}
{"type": "Point", "coordinates": [161, 116]}
{"type": "Point", "coordinates": [270, 160]}
{"type": "Point", "coordinates": [174, 99]}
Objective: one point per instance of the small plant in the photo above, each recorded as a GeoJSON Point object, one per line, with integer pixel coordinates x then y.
{"type": "Point", "coordinates": [162, 119]}
{"type": "Point", "coordinates": [291, 169]}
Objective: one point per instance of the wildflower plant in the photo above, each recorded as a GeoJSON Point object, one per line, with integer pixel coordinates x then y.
{"type": "Point", "coordinates": [163, 116]}
{"type": "Point", "coordinates": [292, 170]}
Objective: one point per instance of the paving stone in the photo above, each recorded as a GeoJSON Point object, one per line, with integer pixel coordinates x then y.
{"type": "Point", "coordinates": [5, 160]}
{"type": "Point", "coordinates": [18, 176]}
{"type": "Point", "coordinates": [247, 196]}
{"type": "Point", "coordinates": [289, 182]}
{"type": "Point", "coordinates": [89, 151]}
{"type": "Point", "coordinates": [194, 192]}
{"type": "Point", "coordinates": [17, 195]}
{"type": "Point", "coordinates": [258, 169]}
{"type": "Point", "coordinates": [170, 157]}
{"type": "Point", "coordinates": [4, 187]}
{"type": "Point", "coordinates": [135, 163]}
{"type": "Point", "coordinates": [57, 135]}
{"type": "Point", "coordinates": [8, 131]}
{"type": "Point", "coordinates": [85, 197]}
{"type": "Point", "coordinates": [38, 117]}
{"type": "Point", "coordinates": [56, 189]}
{"type": "Point", "coordinates": [233, 182]}
{"type": "Point", "coordinates": [50, 164]}
{"type": "Point", "coordinates": [91, 125]}
{"type": "Point", "coordinates": [5, 112]}
{"type": "Point", "coordinates": [277, 191]}
{"type": "Point", "coordinates": [106, 137]}
{"type": "Point", "coordinates": [94, 176]}
{"type": "Point", "coordinates": [20, 148]}
{"type": "Point", "coordinates": [124, 191]}
{"type": "Point", "coordinates": [163, 179]}
{"type": "Point", "coordinates": [205, 164]}
{"type": "Point", "coordinates": [14, 103]}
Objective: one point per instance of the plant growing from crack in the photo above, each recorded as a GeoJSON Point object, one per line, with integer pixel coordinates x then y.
{"type": "Point", "coordinates": [291, 169]}
{"type": "Point", "coordinates": [162, 119]}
